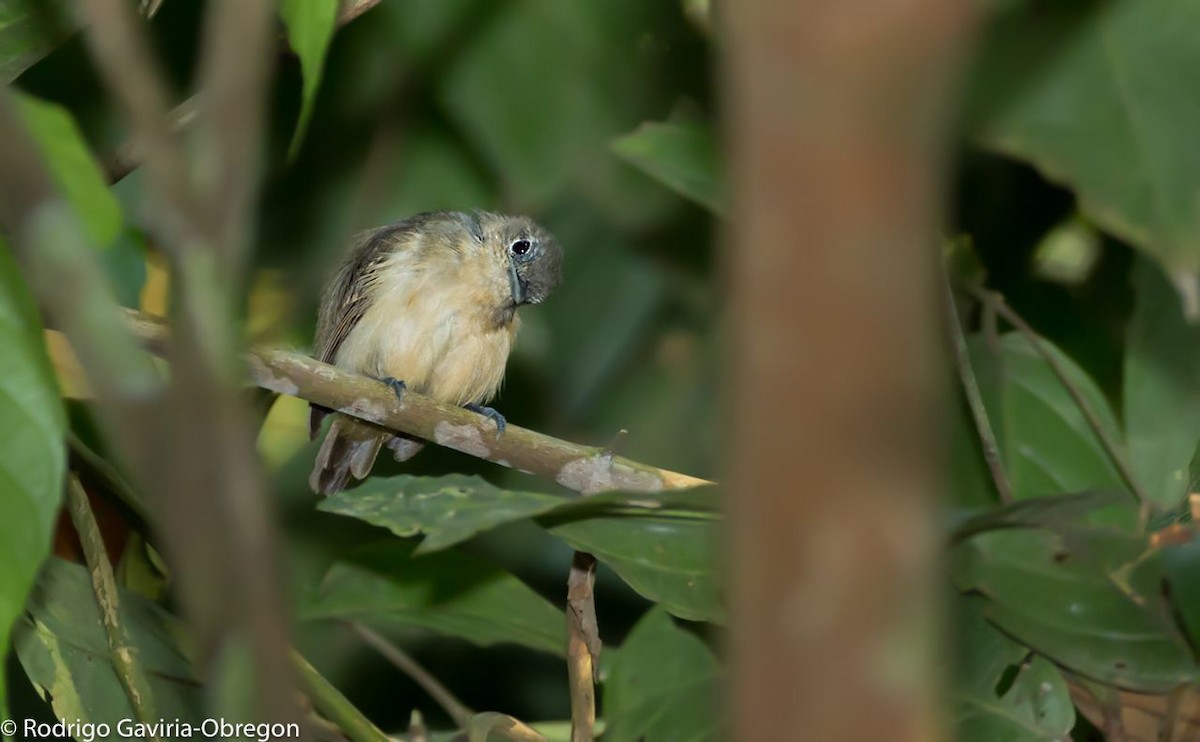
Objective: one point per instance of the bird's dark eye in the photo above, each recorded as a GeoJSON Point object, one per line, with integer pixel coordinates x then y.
{"type": "Point", "coordinates": [520, 247]}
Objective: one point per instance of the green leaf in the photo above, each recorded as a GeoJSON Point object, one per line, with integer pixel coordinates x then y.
{"type": "Point", "coordinates": [1181, 564]}
{"type": "Point", "coordinates": [32, 460]}
{"type": "Point", "coordinates": [662, 544]}
{"type": "Point", "coordinates": [1046, 511]}
{"type": "Point", "coordinates": [1089, 600]}
{"type": "Point", "coordinates": [1090, 93]}
{"type": "Point", "coordinates": [665, 548]}
{"type": "Point", "coordinates": [446, 592]}
{"type": "Point", "coordinates": [681, 156]}
{"type": "Point", "coordinates": [62, 645]}
{"type": "Point", "coordinates": [1046, 443]}
{"type": "Point", "coordinates": [31, 29]}
{"type": "Point", "coordinates": [663, 686]}
{"type": "Point", "coordinates": [1162, 388]}
{"type": "Point", "coordinates": [1000, 692]}
{"type": "Point", "coordinates": [448, 509]}
{"type": "Point", "coordinates": [310, 25]}
{"type": "Point", "coordinates": [72, 167]}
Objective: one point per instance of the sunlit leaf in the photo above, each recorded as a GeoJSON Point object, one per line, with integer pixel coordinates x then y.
{"type": "Point", "coordinates": [663, 686]}
{"type": "Point", "coordinates": [73, 168]}
{"type": "Point", "coordinates": [310, 25]}
{"type": "Point", "coordinates": [32, 458]}
{"type": "Point", "coordinates": [447, 592]}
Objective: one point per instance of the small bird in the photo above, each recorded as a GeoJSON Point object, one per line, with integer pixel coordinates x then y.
{"type": "Point", "coordinates": [428, 304]}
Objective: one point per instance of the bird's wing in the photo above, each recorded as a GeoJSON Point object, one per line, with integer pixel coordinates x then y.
{"type": "Point", "coordinates": [346, 299]}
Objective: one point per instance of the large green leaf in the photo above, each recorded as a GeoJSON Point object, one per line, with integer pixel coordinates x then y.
{"type": "Point", "coordinates": [1100, 95]}
{"type": "Point", "coordinates": [1090, 600]}
{"type": "Point", "coordinates": [32, 459]}
{"type": "Point", "coordinates": [669, 560]}
{"type": "Point", "coordinates": [72, 167]}
{"type": "Point", "coordinates": [1000, 693]}
{"type": "Point", "coordinates": [1162, 388]}
{"type": "Point", "coordinates": [31, 29]}
{"type": "Point", "coordinates": [663, 686]}
{"type": "Point", "coordinates": [447, 509]}
{"type": "Point", "coordinates": [1046, 443]}
{"type": "Point", "coordinates": [310, 25]}
{"type": "Point", "coordinates": [446, 592]}
{"type": "Point", "coordinates": [63, 648]}
{"type": "Point", "coordinates": [662, 545]}
{"type": "Point", "coordinates": [681, 156]}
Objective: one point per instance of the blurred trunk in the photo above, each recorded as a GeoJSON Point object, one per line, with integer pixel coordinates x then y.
{"type": "Point", "coordinates": [836, 113]}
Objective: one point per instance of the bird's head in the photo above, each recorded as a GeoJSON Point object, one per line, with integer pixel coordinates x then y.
{"type": "Point", "coordinates": [533, 257]}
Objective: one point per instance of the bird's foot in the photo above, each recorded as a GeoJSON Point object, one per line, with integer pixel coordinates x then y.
{"type": "Point", "coordinates": [490, 414]}
{"type": "Point", "coordinates": [396, 385]}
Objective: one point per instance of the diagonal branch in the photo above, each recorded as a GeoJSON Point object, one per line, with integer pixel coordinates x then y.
{"type": "Point", "coordinates": [585, 469]}
{"type": "Point", "coordinates": [996, 303]}
{"type": "Point", "coordinates": [970, 385]}
{"type": "Point", "coordinates": [124, 657]}
{"type": "Point", "coordinates": [458, 712]}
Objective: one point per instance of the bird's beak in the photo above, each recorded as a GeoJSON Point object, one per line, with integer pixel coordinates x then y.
{"type": "Point", "coordinates": [518, 291]}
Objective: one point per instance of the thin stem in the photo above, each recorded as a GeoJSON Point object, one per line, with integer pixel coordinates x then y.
{"type": "Point", "coordinates": [997, 303]}
{"type": "Point", "coordinates": [330, 702]}
{"type": "Point", "coordinates": [456, 709]}
{"type": "Point", "coordinates": [104, 587]}
{"type": "Point", "coordinates": [583, 646]}
{"type": "Point", "coordinates": [966, 374]}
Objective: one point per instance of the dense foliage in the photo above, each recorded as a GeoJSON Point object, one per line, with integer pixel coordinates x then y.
{"type": "Point", "coordinates": [1075, 198]}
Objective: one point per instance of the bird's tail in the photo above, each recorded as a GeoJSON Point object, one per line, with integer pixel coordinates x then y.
{"type": "Point", "coordinates": [349, 448]}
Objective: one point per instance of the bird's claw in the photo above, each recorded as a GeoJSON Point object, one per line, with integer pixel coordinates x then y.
{"type": "Point", "coordinates": [490, 414]}
{"type": "Point", "coordinates": [396, 385]}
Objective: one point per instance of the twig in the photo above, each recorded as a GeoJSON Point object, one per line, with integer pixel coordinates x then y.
{"type": "Point", "coordinates": [459, 713]}
{"type": "Point", "coordinates": [983, 426]}
{"type": "Point", "coordinates": [583, 646]}
{"type": "Point", "coordinates": [997, 303]}
{"type": "Point", "coordinates": [330, 702]}
{"type": "Point", "coordinates": [581, 468]}
{"type": "Point", "coordinates": [104, 587]}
